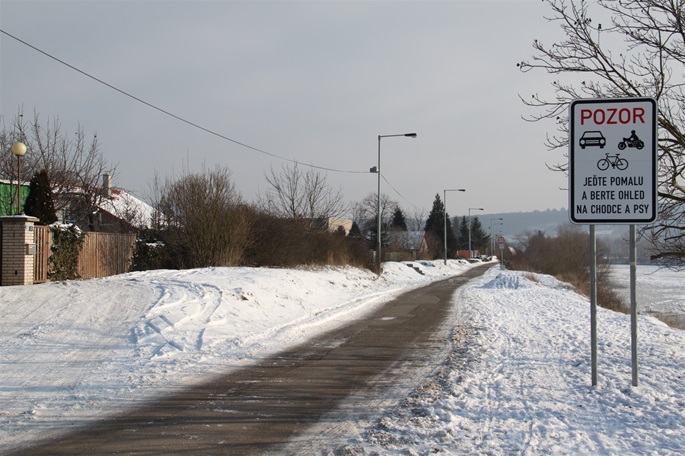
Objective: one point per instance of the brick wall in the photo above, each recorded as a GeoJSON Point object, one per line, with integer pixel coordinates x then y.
{"type": "Point", "coordinates": [17, 265]}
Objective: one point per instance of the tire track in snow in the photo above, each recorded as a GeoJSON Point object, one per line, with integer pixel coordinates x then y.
{"type": "Point", "coordinates": [177, 320]}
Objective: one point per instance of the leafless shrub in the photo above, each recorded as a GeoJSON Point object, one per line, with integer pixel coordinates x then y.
{"type": "Point", "coordinates": [301, 195]}
{"type": "Point", "coordinates": [284, 242]}
{"type": "Point", "coordinates": [567, 257]}
{"type": "Point", "coordinates": [203, 220]}
{"type": "Point", "coordinates": [204, 223]}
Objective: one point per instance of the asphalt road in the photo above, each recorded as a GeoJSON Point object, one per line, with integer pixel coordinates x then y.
{"type": "Point", "coordinates": [291, 402]}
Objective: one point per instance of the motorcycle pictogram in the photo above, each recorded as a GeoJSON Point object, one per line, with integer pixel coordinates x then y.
{"type": "Point", "coordinates": [631, 141]}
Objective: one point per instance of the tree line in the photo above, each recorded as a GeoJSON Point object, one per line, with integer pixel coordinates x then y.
{"type": "Point", "coordinates": [200, 219]}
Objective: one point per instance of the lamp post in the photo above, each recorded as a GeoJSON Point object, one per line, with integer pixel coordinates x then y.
{"type": "Point", "coordinates": [378, 205]}
{"type": "Point", "coordinates": [18, 149]}
{"type": "Point", "coordinates": [444, 215]}
{"type": "Point", "coordinates": [492, 236]}
{"type": "Point", "coordinates": [470, 209]}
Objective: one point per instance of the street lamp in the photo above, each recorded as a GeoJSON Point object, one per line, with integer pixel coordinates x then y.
{"type": "Point", "coordinates": [18, 149]}
{"type": "Point", "coordinates": [378, 206]}
{"type": "Point", "coordinates": [444, 215]}
{"type": "Point", "coordinates": [492, 234]}
{"type": "Point", "coordinates": [470, 209]}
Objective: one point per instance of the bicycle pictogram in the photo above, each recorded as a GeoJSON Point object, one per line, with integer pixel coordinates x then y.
{"type": "Point", "coordinates": [615, 161]}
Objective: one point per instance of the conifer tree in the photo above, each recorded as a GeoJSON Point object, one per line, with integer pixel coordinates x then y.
{"type": "Point", "coordinates": [463, 234]}
{"type": "Point", "coordinates": [355, 232]}
{"type": "Point", "coordinates": [435, 230]}
{"type": "Point", "coordinates": [479, 238]}
{"type": "Point", "coordinates": [39, 201]}
{"type": "Point", "coordinates": [399, 223]}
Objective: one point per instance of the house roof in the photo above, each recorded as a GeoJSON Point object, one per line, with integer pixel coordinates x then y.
{"type": "Point", "coordinates": [126, 206]}
{"type": "Point", "coordinates": [410, 240]}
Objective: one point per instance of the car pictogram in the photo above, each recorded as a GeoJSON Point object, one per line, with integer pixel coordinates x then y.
{"type": "Point", "coordinates": [592, 138]}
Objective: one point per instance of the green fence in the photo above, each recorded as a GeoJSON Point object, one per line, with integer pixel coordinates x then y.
{"type": "Point", "coordinates": [8, 197]}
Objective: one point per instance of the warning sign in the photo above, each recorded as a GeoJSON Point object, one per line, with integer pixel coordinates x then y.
{"type": "Point", "coordinates": [613, 161]}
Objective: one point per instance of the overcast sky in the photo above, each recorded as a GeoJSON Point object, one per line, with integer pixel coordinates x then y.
{"type": "Point", "coordinates": [310, 81]}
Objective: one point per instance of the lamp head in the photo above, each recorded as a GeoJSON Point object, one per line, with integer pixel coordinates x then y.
{"type": "Point", "coordinates": [18, 149]}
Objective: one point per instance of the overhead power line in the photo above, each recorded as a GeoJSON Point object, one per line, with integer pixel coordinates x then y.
{"type": "Point", "coordinates": [193, 124]}
{"type": "Point", "coordinates": [398, 193]}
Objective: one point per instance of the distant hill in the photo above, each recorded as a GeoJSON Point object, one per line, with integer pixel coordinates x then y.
{"type": "Point", "coordinates": [548, 221]}
{"type": "Point", "coordinates": [518, 223]}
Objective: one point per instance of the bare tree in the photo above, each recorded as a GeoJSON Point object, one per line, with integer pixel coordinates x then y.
{"type": "Point", "coordinates": [637, 50]}
{"type": "Point", "coordinates": [301, 195]}
{"type": "Point", "coordinates": [417, 220]}
{"type": "Point", "coordinates": [74, 165]}
{"type": "Point", "coordinates": [365, 212]}
{"type": "Point", "coordinates": [204, 222]}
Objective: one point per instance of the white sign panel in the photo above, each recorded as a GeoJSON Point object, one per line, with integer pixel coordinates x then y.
{"type": "Point", "coordinates": [613, 161]}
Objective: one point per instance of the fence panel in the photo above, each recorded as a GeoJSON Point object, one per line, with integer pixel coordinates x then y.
{"type": "Point", "coordinates": [105, 254]}
{"type": "Point", "coordinates": [41, 236]}
{"type": "Point", "coordinates": [102, 254]}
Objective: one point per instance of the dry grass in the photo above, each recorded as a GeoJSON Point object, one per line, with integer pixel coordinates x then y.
{"type": "Point", "coordinates": [560, 257]}
{"type": "Point", "coordinates": [530, 276]}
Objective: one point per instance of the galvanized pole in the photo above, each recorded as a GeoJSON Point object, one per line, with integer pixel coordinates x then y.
{"type": "Point", "coordinates": [378, 207]}
{"type": "Point", "coordinates": [593, 303]}
{"type": "Point", "coordinates": [444, 223]}
{"type": "Point", "coordinates": [633, 304]}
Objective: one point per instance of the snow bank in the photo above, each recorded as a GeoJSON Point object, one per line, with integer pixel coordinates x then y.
{"type": "Point", "coordinates": [73, 351]}
{"type": "Point", "coordinates": [517, 382]}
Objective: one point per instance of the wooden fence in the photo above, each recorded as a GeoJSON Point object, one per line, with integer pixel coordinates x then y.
{"type": "Point", "coordinates": [43, 240]}
{"type": "Point", "coordinates": [105, 254]}
{"type": "Point", "coordinates": [102, 254]}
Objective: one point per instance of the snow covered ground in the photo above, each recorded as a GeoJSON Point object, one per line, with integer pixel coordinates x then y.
{"type": "Point", "coordinates": [518, 382]}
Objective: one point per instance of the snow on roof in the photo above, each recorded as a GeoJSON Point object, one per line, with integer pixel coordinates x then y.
{"type": "Point", "coordinates": [410, 240]}
{"type": "Point", "coordinates": [128, 207]}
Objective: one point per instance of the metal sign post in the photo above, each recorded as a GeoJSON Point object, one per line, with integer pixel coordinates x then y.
{"type": "Point", "coordinates": [593, 304]}
{"type": "Point", "coordinates": [633, 305]}
{"type": "Point", "coordinates": [613, 180]}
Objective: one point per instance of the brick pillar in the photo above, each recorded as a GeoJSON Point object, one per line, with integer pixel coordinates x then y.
{"type": "Point", "coordinates": [18, 250]}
